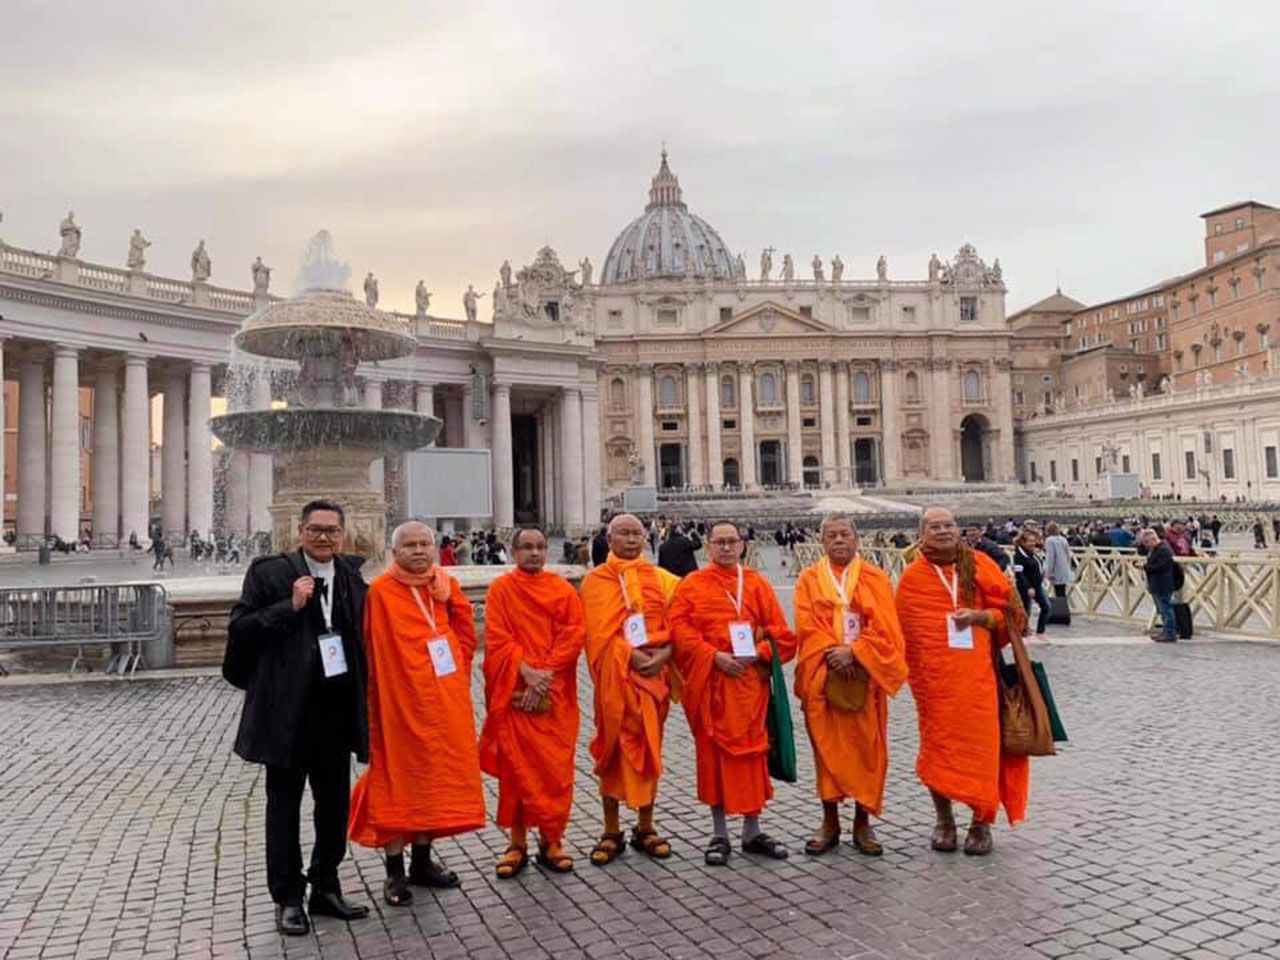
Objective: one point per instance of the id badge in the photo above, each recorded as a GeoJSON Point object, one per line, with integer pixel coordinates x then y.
{"type": "Point", "coordinates": [1017, 568]}
{"type": "Point", "coordinates": [635, 631]}
{"type": "Point", "coordinates": [743, 640]}
{"type": "Point", "coordinates": [958, 638]}
{"type": "Point", "coordinates": [442, 656]}
{"type": "Point", "coordinates": [852, 626]}
{"type": "Point", "coordinates": [332, 655]}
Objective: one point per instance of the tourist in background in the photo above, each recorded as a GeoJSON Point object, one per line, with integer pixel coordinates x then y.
{"type": "Point", "coordinates": [978, 540]}
{"type": "Point", "coordinates": [1057, 559]}
{"type": "Point", "coordinates": [1179, 539]}
{"type": "Point", "coordinates": [1029, 578]}
{"type": "Point", "coordinates": [677, 554]}
{"type": "Point", "coordinates": [1161, 580]}
{"type": "Point", "coordinates": [1259, 535]}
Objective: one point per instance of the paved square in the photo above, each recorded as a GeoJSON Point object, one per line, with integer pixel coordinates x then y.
{"type": "Point", "coordinates": [130, 830]}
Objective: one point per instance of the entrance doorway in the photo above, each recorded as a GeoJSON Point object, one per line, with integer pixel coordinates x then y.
{"type": "Point", "coordinates": [865, 470]}
{"type": "Point", "coordinates": [771, 463]}
{"type": "Point", "coordinates": [670, 466]}
{"type": "Point", "coordinates": [973, 448]}
{"type": "Point", "coordinates": [524, 468]}
{"type": "Point", "coordinates": [812, 473]}
{"type": "Point", "coordinates": [731, 476]}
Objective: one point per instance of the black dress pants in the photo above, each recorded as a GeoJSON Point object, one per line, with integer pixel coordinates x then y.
{"type": "Point", "coordinates": [329, 770]}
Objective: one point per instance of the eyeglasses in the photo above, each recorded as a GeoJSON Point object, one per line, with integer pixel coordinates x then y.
{"type": "Point", "coordinates": [725, 543]}
{"type": "Point", "coordinates": [331, 533]}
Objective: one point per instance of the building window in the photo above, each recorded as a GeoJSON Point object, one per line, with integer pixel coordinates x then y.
{"type": "Point", "coordinates": [808, 395]}
{"type": "Point", "coordinates": [1260, 281]}
{"type": "Point", "coordinates": [1053, 471]}
{"type": "Point", "coordinates": [908, 314]}
{"type": "Point", "coordinates": [618, 394]}
{"type": "Point", "coordinates": [768, 390]}
{"type": "Point", "coordinates": [1124, 463]}
{"type": "Point", "coordinates": [670, 426]}
{"type": "Point", "coordinates": [1239, 223]}
{"type": "Point", "coordinates": [668, 318]}
{"type": "Point", "coordinates": [1176, 311]}
{"type": "Point", "coordinates": [1097, 466]}
{"type": "Point", "coordinates": [668, 393]}
{"type": "Point", "coordinates": [1219, 256]}
{"type": "Point", "coordinates": [728, 394]}
{"type": "Point", "coordinates": [1189, 457]}
{"type": "Point", "coordinates": [1019, 399]}
{"type": "Point", "coordinates": [1075, 470]}
{"type": "Point", "coordinates": [809, 422]}
{"type": "Point", "coordinates": [1033, 471]}
{"type": "Point", "coordinates": [1240, 347]}
{"type": "Point", "coordinates": [1263, 339]}
{"type": "Point", "coordinates": [1217, 229]}
{"type": "Point", "coordinates": [812, 473]}
{"type": "Point", "coordinates": [615, 318]}
{"type": "Point", "coordinates": [968, 308]}
{"type": "Point", "coordinates": [1161, 341]}
{"type": "Point", "coordinates": [1155, 466]}
{"type": "Point", "coordinates": [1235, 288]}
{"type": "Point", "coordinates": [726, 313]}
{"type": "Point", "coordinates": [972, 386]}
{"type": "Point", "coordinates": [1228, 463]}
{"type": "Point", "coordinates": [861, 387]}
{"type": "Point", "coordinates": [1213, 297]}
{"type": "Point", "coordinates": [1272, 462]}
{"type": "Point", "coordinates": [1217, 352]}
{"type": "Point", "coordinates": [912, 386]}
{"type": "Point", "coordinates": [729, 424]}
{"type": "Point", "coordinates": [1048, 399]}
{"type": "Point", "coordinates": [806, 311]}
{"type": "Point", "coordinates": [862, 421]}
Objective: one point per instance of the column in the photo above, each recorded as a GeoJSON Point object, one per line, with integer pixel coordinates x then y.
{"type": "Point", "coordinates": [64, 445]}
{"type": "Point", "coordinates": [4, 548]}
{"type": "Point", "coordinates": [942, 439]}
{"type": "Point", "coordinates": [373, 401]}
{"type": "Point", "coordinates": [544, 478]}
{"type": "Point", "coordinates": [826, 397]}
{"type": "Point", "coordinates": [715, 459]}
{"type": "Point", "coordinates": [261, 483]}
{"type": "Point", "coordinates": [591, 458]}
{"type": "Point", "coordinates": [173, 456]}
{"type": "Point", "coordinates": [747, 423]}
{"type": "Point", "coordinates": [571, 472]}
{"type": "Point", "coordinates": [135, 452]}
{"type": "Point", "coordinates": [697, 474]}
{"type": "Point", "coordinates": [890, 430]}
{"type": "Point", "coordinates": [549, 462]}
{"type": "Point", "coordinates": [425, 403]}
{"type": "Point", "coordinates": [200, 452]}
{"type": "Point", "coordinates": [1003, 390]}
{"type": "Point", "coordinates": [31, 447]}
{"type": "Point", "coordinates": [795, 444]}
{"type": "Point", "coordinates": [503, 476]}
{"type": "Point", "coordinates": [644, 411]}
{"type": "Point", "coordinates": [106, 457]}
{"type": "Point", "coordinates": [843, 448]}
{"type": "Point", "coordinates": [235, 507]}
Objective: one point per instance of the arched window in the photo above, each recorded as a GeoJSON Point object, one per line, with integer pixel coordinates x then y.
{"type": "Point", "coordinates": [668, 394]}
{"type": "Point", "coordinates": [972, 385]}
{"type": "Point", "coordinates": [728, 394]}
{"type": "Point", "coordinates": [618, 394]}
{"type": "Point", "coordinates": [808, 395]}
{"type": "Point", "coordinates": [861, 387]}
{"type": "Point", "coordinates": [731, 472]}
{"type": "Point", "coordinates": [768, 390]}
{"type": "Point", "coordinates": [812, 473]}
{"type": "Point", "coordinates": [912, 388]}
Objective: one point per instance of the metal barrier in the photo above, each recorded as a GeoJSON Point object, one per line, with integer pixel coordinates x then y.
{"type": "Point", "coordinates": [1234, 593]}
{"type": "Point", "coordinates": [126, 615]}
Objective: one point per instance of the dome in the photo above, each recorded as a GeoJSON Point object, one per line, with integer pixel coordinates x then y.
{"type": "Point", "coordinates": [667, 240]}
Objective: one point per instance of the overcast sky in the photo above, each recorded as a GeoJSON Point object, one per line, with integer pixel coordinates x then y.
{"type": "Point", "coordinates": [1078, 142]}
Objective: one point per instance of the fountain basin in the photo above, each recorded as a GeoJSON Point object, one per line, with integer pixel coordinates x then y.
{"type": "Point", "coordinates": [319, 322]}
{"type": "Point", "coordinates": [274, 431]}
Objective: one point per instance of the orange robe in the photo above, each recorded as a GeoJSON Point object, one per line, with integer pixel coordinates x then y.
{"type": "Point", "coordinates": [424, 773]}
{"type": "Point", "coordinates": [850, 750]}
{"type": "Point", "coordinates": [727, 714]}
{"type": "Point", "coordinates": [630, 710]}
{"type": "Point", "coordinates": [534, 619]}
{"type": "Point", "coordinates": [955, 692]}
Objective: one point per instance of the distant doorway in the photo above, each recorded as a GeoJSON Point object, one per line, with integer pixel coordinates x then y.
{"type": "Point", "coordinates": [812, 473]}
{"type": "Point", "coordinates": [524, 464]}
{"type": "Point", "coordinates": [973, 443]}
{"type": "Point", "coordinates": [771, 463]}
{"type": "Point", "coordinates": [732, 477]}
{"type": "Point", "coordinates": [671, 466]}
{"type": "Point", "coordinates": [865, 469]}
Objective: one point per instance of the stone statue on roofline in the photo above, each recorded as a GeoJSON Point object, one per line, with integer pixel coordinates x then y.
{"type": "Point", "coordinates": [740, 268]}
{"type": "Point", "coordinates": [837, 269]}
{"type": "Point", "coordinates": [585, 266]}
{"type": "Point", "coordinates": [261, 277]}
{"type": "Point", "coordinates": [201, 265]}
{"type": "Point", "coordinates": [70, 232]}
{"type": "Point", "coordinates": [935, 268]}
{"type": "Point", "coordinates": [788, 268]}
{"type": "Point", "coordinates": [371, 289]}
{"type": "Point", "coordinates": [766, 263]}
{"type": "Point", "coordinates": [817, 269]}
{"type": "Point", "coordinates": [882, 269]}
{"type": "Point", "coordinates": [137, 258]}
{"type": "Point", "coordinates": [421, 298]}
{"type": "Point", "coordinates": [504, 272]}
{"type": "Point", "coordinates": [471, 302]}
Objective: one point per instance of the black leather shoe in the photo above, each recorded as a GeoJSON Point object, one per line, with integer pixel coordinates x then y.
{"type": "Point", "coordinates": [328, 904]}
{"type": "Point", "coordinates": [291, 920]}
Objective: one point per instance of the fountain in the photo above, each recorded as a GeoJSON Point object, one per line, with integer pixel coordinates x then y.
{"type": "Point", "coordinates": [324, 441]}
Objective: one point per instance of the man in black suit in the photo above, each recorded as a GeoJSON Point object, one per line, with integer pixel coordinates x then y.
{"type": "Point", "coordinates": [294, 646]}
{"type": "Point", "coordinates": [677, 554]}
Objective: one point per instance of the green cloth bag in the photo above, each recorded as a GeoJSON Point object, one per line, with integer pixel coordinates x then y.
{"type": "Point", "coordinates": [782, 740]}
{"type": "Point", "coordinates": [1055, 721]}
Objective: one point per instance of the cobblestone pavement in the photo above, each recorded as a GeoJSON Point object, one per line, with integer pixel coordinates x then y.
{"type": "Point", "coordinates": [130, 830]}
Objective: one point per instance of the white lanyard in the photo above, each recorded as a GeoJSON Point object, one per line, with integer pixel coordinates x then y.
{"type": "Point", "coordinates": [839, 584]}
{"type": "Point", "coordinates": [426, 611]}
{"type": "Point", "coordinates": [625, 599]}
{"type": "Point", "coordinates": [736, 601]}
{"type": "Point", "coordinates": [953, 588]}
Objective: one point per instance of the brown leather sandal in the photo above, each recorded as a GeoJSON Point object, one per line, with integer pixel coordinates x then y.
{"type": "Point", "coordinates": [944, 838]}
{"type": "Point", "coordinates": [608, 848]}
{"type": "Point", "coordinates": [978, 842]}
{"type": "Point", "coordinates": [511, 863]}
{"type": "Point", "coordinates": [649, 842]}
{"type": "Point", "coordinates": [820, 843]}
{"type": "Point", "coordinates": [553, 857]}
{"type": "Point", "coordinates": [867, 845]}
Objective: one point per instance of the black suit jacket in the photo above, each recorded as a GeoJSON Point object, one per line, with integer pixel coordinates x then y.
{"type": "Point", "coordinates": [273, 656]}
{"type": "Point", "coordinates": [677, 555]}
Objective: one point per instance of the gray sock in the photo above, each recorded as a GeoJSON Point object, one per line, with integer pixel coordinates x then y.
{"type": "Point", "coordinates": [718, 827]}
{"type": "Point", "coordinates": [750, 828]}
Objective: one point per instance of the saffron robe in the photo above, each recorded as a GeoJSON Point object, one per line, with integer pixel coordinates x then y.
{"type": "Point", "coordinates": [727, 714]}
{"type": "Point", "coordinates": [424, 772]}
{"type": "Point", "coordinates": [955, 691]}
{"type": "Point", "coordinates": [534, 619]}
{"type": "Point", "coordinates": [850, 750]}
{"type": "Point", "coordinates": [630, 710]}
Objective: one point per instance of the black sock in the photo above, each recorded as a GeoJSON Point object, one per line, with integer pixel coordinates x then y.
{"type": "Point", "coordinates": [395, 864]}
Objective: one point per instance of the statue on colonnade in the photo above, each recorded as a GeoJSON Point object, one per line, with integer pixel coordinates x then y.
{"type": "Point", "coordinates": [70, 232]}
{"type": "Point", "coordinates": [817, 269]}
{"type": "Point", "coordinates": [837, 269]}
{"type": "Point", "coordinates": [201, 265]}
{"type": "Point", "coordinates": [371, 289]}
{"type": "Point", "coordinates": [585, 264]}
{"type": "Point", "coordinates": [137, 258]}
{"type": "Point", "coordinates": [882, 269]}
{"type": "Point", "coordinates": [421, 298]}
{"type": "Point", "coordinates": [788, 268]}
{"type": "Point", "coordinates": [470, 302]}
{"type": "Point", "coordinates": [261, 277]}
{"type": "Point", "coordinates": [766, 262]}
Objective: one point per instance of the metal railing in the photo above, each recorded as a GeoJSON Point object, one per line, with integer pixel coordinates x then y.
{"type": "Point", "coordinates": [128, 616]}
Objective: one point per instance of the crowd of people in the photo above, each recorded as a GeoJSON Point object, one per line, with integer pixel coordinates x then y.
{"type": "Point", "coordinates": [332, 667]}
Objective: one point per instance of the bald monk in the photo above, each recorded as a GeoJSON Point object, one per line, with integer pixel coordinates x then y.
{"type": "Point", "coordinates": [628, 649]}
{"type": "Point", "coordinates": [849, 635]}
{"type": "Point", "coordinates": [954, 603]}
{"type": "Point", "coordinates": [423, 779]}
{"type": "Point", "coordinates": [534, 633]}
{"type": "Point", "coordinates": [722, 617]}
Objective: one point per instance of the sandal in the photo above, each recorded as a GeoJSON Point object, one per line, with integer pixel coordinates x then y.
{"type": "Point", "coordinates": [764, 844]}
{"type": "Point", "coordinates": [511, 863]}
{"type": "Point", "coordinates": [608, 849]}
{"type": "Point", "coordinates": [424, 871]}
{"type": "Point", "coordinates": [978, 841]}
{"type": "Point", "coordinates": [553, 857]}
{"type": "Point", "coordinates": [396, 892]}
{"type": "Point", "coordinates": [821, 843]}
{"type": "Point", "coordinates": [944, 838]}
{"type": "Point", "coordinates": [868, 846]}
{"type": "Point", "coordinates": [648, 841]}
{"type": "Point", "coordinates": [717, 854]}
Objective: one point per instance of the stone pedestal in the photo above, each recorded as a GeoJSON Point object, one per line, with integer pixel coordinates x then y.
{"type": "Point", "coordinates": [338, 475]}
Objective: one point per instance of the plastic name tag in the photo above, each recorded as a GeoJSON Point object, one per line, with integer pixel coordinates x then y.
{"type": "Point", "coordinates": [332, 655]}
{"type": "Point", "coordinates": [441, 656]}
{"type": "Point", "coordinates": [743, 641]}
{"type": "Point", "coordinates": [852, 626]}
{"type": "Point", "coordinates": [1017, 568]}
{"type": "Point", "coordinates": [635, 631]}
{"type": "Point", "coordinates": [958, 638]}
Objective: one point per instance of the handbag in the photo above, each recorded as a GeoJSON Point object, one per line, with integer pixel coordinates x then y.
{"type": "Point", "coordinates": [847, 691]}
{"type": "Point", "coordinates": [1059, 612]}
{"type": "Point", "coordinates": [1055, 721]}
{"type": "Point", "coordinates": [1025, 728]}
{"type": "Point", "coordinates": [777, 721]}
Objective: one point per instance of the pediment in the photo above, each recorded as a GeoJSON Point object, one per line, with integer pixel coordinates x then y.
{"type": "Point", "coordinates": [768, 319]}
